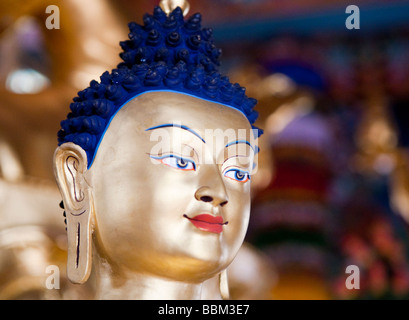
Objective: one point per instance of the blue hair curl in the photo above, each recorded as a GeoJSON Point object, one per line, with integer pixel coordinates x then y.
{"type": "Point", "coordinates": [166, 53]}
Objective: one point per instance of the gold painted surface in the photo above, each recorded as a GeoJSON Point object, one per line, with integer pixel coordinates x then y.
{"type": "Point", "coordinates": [169, 5]}
{"type": "Point", "coordinates": [251, 276]}
{"type": "Point", "coordinates": [135, 212]}
{"type": "Point", "coordinates": [81, 50]}
{"type": "Point", "coordinates": [32, 230]}
{"type": "Point", "coordinates": [32, 238]}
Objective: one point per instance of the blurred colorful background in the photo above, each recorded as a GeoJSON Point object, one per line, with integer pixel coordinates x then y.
{"type": "Point", "coordinates": [332, 187]}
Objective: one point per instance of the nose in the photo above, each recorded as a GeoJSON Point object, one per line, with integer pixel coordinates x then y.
{"type": "Point", "coordinates": [212, 188]}
{"type": "Point", "coordinates": [217, 197]}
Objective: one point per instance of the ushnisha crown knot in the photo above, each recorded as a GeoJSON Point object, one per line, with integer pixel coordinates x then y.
{"type": "Point", "coordinates": [169, 5]}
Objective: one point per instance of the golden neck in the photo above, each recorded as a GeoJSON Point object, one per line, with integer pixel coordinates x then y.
{"type": "Point", "coordinates": [112, 285]}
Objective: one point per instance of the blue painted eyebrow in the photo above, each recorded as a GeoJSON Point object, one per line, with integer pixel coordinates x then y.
{"type": "Point", "coordinates": [240, 141]}
{"type": "Point", "coordinates": [177, 126]}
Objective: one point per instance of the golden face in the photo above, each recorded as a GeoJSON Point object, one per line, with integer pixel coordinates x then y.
{"type": "Point", "coordinates": [170, 186]}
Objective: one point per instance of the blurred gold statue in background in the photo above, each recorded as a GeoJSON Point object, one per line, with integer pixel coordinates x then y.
{"type": "Point", "coordinates": [40, 70]}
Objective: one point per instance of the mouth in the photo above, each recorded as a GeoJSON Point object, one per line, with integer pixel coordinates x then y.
{"type": "Point", "coordinates": [207, 222]}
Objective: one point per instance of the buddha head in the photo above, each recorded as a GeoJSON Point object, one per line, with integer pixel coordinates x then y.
{"type": "Point", "coordinates": [155, 160]}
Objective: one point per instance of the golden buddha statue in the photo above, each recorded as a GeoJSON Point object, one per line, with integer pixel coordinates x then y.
{"type": "Point", "coordinates": [154, 165]}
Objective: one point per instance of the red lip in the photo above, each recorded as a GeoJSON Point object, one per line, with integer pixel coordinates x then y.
{"type": "Point", "coordinates": [207, 222]}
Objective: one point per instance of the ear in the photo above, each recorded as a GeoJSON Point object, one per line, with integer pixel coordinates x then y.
{"type": "Point", "coordinates": [224, 285]}
{"type": "Point", "coordinates": [70, 166]}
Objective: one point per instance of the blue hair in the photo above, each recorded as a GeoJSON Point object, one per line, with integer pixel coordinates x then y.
{"type": "Point", "coordinates": [166, 53]}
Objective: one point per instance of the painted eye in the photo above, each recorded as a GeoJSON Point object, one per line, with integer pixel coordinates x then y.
{"type": "Point", "coordinates": [238, 175]}
{"type": "Point", "coordinates": [177, 162]}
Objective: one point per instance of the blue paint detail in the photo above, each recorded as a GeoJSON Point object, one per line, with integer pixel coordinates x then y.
{"type": "Point", "coordinates": [178, 126]}
{"type": "Point", "coordinates": [176, 157]}
{"type": "Point", "coordinates": [167, 53]}
{"type": "Point", "coordinates": [240, 141]}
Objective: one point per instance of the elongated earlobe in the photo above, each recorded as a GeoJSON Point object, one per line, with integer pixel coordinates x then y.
{"type": "Point", "coordinates": [70, 165]}
{"type": "Point", "coordinates": [224, 285]}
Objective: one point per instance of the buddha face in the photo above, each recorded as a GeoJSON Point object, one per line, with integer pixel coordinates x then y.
{"type": "Point", "coordinates": [171, 186]}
